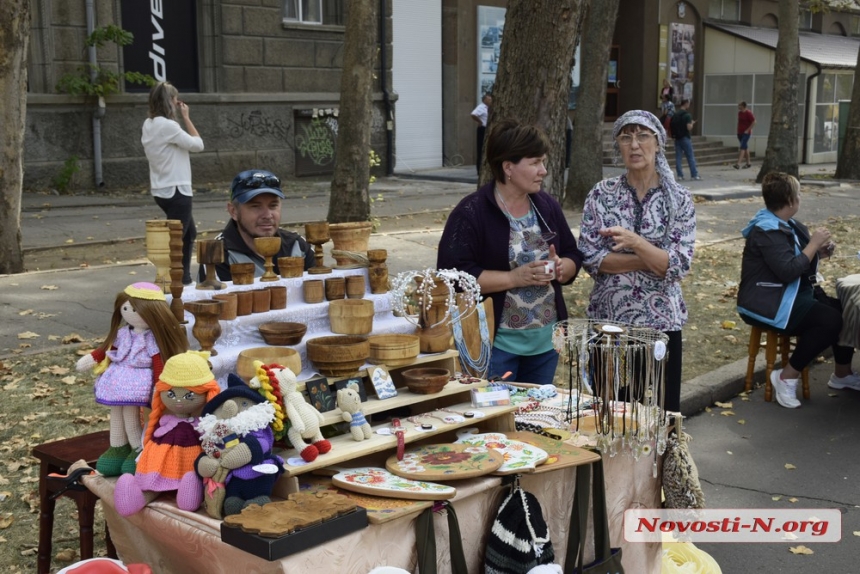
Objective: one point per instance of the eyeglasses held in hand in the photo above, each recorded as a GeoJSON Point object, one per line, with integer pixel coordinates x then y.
{"type": "Point", "coordinates": [259, 180]}
{"type": "Point", "coordinates": [642, 138]}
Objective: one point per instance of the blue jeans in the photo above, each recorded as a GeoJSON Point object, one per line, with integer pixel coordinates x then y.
{"type": "Point", "coordinates": [537, 369]}
{"type": "Point", "coordinates": [685, 145]}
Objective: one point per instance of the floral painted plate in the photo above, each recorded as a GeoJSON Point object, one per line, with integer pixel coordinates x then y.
{"type": "Point", "coordinates": [380, 482]}
{"type": "Point", "coordinates": [445, 462]}
{"type": "Point", "coordinates": [520, 457]}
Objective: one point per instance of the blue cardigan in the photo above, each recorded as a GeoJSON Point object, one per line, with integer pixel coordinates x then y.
{"type": "Point", "coordinates": [477, 237]}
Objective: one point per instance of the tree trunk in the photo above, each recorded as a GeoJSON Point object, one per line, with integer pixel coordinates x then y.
{"type": "Point", "coordinates": [14, 37]}
{"type": "Point", "coordinates": [847, 166]}
{"type": "Point", "coordinates": [533, 77]}
{"type": "Point", "coordinates": [781, 153]}
{"type": "Point", "coordinates": [350, 199]}
{"type": "Point", "coordinates": [598, 29]}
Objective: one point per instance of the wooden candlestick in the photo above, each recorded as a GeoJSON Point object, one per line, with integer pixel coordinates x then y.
{"type": "Point", "coordinates": [176, 271]}
{"type": "Point", "coordinates": [210, 252]}
{"type": "Point", "coordinates": [158, 251]}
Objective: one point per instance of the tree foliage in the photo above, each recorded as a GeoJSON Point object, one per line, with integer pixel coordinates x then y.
{"type": "Point", "coordinates": [533, 77]}
{"type": "Point", "coordinates": [350, 199]}
{"type": "Point", "coordinates": [781, 152]}
{"type": "Point", "coordinates": [598, 28]}
{"type": "Point", "coordinates": [14, 39]}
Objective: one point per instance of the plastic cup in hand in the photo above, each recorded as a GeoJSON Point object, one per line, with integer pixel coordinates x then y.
{"type": "Point", "coordinates": [549, 267]}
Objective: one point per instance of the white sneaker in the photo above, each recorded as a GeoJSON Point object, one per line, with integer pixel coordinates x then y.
{"type": "Point", "coordinates": [851, 381]}
{"type": "Point", "coordinates": [786, 390]}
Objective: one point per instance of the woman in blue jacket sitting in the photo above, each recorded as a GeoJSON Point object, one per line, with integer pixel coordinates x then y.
{"type": "Point", "coordinates": [778, 290]}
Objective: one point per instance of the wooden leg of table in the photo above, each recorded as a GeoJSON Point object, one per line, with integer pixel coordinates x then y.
{"type": "Point", "coordinates": [46, 521]}
{"type": "Point", "coordinates": [86, 502]}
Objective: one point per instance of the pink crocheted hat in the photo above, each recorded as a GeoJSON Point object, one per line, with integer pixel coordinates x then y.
{"type": "Point", "coordinates": [144, 290]}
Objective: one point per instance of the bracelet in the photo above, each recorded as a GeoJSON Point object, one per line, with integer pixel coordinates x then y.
{"type": "Point", "coordinates": [527, 407]}
{"type": "Point", "coordinates": [467, 414]}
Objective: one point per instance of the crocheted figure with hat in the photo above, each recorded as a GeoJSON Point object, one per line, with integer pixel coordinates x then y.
{"type": "Point", "coordinates": [237, 464]}
{"type": "Point", "coordinates": [143, 334]}
{"type": "Point", "coordinates": [172, 442]}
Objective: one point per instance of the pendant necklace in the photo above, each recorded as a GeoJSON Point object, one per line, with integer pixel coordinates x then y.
{"type": "Point", "coordinates": [518, 228]}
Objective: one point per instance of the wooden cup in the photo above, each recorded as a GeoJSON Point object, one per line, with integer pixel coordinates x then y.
{"type": "Point", "coordinates": [244, 303]}
{"type": "Point", "coordinates": [335, 288]}
{"type": "Point", "coordinates": [262, 300]}
{"type": "Point", "coordinates": [312, 289]}
{"type": "Point", "coordinates": [291, 266]}
{"type": "Point", "coordinates": [243, 273]}
{"type": "Point", "coordinates": [277, 297]}
{"type": "Point", "coordinates": [229, 305]}
{"type": "Point", "coordinates": [355, 287]}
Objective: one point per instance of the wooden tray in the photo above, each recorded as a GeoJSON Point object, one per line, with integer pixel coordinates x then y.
{"type": "Point", "coordinates": [445, 462]}
{"type": "Point", "coordinates": [380, 482]}
{"type": "Point", "coordinates": [561, 454]}
{"type": "Point", "coordinates": [520, 457]}
{"type": "Point", "coordinates": [379, 510]}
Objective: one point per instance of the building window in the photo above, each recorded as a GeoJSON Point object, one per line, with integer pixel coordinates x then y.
{"type": "Point", "coordinates": [728, 10]}
{"type": "Point", "coordinates": [805, 20]}
{"type": "Point", "coordinates": [855, 26]}
{"type": "Point", "coordinates": [831, 88]}
{"type": "Point", "coordinates": [328, 12]}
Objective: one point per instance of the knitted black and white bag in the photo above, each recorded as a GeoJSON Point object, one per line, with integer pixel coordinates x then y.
{"type": "Point", "coordinates": [519, 539]}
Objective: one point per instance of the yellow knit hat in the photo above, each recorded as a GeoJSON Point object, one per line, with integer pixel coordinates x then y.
{"type": "Point", "coordinates": [188, 369]}
{"type": "Point", "coordinates": [144, 290]}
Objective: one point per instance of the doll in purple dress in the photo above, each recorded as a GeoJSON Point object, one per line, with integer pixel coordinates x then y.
{"type": "Point", "coordinates": [143, 334]}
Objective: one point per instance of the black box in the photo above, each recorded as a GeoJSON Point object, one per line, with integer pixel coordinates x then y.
{"type": "Point", "coordinates": [276, 548]}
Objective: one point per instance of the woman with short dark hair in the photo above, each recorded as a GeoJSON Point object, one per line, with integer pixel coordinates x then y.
{"type": "Point", "coordinates": [504, 234]}
{"type": "Point", "coordinates": [779, 291]}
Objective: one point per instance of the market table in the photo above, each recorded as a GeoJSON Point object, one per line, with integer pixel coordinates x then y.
{"type": "Point", "coordinates": [173, 541]}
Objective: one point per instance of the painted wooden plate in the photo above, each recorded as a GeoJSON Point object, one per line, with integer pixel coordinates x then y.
{"type": "Point", "coordinates": [561, 454]}
{"type": "Point", "coordinates": [520, 457]}
{"type": "Point", "coordinates": [380, 482]}
{"type": "Point", "coordinates": [445, 462]}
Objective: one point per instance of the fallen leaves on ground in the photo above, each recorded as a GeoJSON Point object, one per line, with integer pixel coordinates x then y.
{"type": "Point", "coordinates": [800, 550]}
{"type": "Point", "coordinates": [49, 287]}
{"type": "Point", "coordinates": [28, 335]}
{"type": "Point", "coordinates": [789, 466]}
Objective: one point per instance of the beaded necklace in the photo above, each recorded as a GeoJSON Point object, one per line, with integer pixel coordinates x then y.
{"type": "Point", "coordinates": [479, 366]}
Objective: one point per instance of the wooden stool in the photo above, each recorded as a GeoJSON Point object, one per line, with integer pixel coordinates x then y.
{"type": "Point", "coordinates": [773, 340]}
{"type": "Point", "coordinates": [56, 457]}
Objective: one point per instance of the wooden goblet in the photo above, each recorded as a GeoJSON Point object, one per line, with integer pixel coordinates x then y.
{"type": "Point", "coordinates": [268, 247]}
{"type": "Point", "coordinates": [206, 327]}
{"type": "Point", "coordinates": [210, 252]}
{"type": "Point", "coordinates": [317, 234]}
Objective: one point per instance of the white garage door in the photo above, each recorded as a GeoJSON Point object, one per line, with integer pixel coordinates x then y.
{"type": "Point", "coordinates": [417, 71]}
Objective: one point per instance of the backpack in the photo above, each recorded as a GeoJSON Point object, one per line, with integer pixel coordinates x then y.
{"type": "Point", "coordinates": [519, 538]}
{"type": "Point", "coordinates": [679, 120]}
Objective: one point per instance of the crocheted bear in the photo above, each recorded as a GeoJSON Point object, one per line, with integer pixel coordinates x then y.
{"type": "Point", "coordinates": [143, 334]}
{"type": "Point", "coordinates": [304, 419]}
{"type": "Point", "coordinates": [349, 401]}
{"type": "Point", "coordinates": [171, 443]}
{"type": "Point", "coordinates": [237, 464]}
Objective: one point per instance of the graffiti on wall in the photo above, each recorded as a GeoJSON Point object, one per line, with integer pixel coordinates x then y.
{"type": "Point", "coordinates": [259, 125]}
{"type": "Point", "coordinates": [316, 137]}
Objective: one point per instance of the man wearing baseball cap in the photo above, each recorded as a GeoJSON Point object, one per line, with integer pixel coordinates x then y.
{"type": "Point", "coordinates": [255, 211]}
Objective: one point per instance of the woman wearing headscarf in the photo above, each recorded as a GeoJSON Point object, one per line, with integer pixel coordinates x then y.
{"type": "Point", "coordinates": [504, 234]}
{"type": "Point", "coordinates": [637, 235]}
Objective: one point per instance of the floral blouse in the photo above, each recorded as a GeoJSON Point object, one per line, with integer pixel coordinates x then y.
{"type": "Point", "coordinates": [639, 298]}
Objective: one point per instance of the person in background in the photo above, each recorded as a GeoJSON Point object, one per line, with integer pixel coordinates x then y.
{"type": "Point", "coordinates": [637, 236]}
{"type": "Point", "coordinates": [167, 147]}
{"type": "Point", "coordinates": [779, 290]}
{"type": "Point", "coordinates": [667, 111]}
{"type": "Point", "coordinates": [255, 211]}
{"type": "Point", "coordinates": [480, 115]}
{"type": "Point", "coordinates": [667, 91]}
{"type": "Point", "coordinates": [746, 121]}
{"type": "Point", "coordinates": [682, 123]}
{"type": "Point", "coordinates": [503, 234]}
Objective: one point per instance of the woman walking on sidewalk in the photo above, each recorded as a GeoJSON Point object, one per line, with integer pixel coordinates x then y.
{"type": "Point", "coordinates": [779, 291]}
{"type": "Point", "coordinates": [167, 148]}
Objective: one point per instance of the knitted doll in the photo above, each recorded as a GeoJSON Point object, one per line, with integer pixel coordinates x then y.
{"type": "Point", "coordinates": [304, 419]}
{"type": "Point", "coordinates": [237, 464]}
{"type": "Point", "coordinates": [143, 334]}
{"type": "Point", "coordinates": [172, 442]}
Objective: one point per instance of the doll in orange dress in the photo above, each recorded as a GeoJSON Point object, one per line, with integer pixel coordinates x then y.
{"type": "Point", "coordinates": [172, 443]}
{"type": "Point", "coordinates": [143, 334]}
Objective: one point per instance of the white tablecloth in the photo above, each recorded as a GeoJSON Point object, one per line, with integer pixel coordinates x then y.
{"type": "Point", "coordinates": [242, 332]}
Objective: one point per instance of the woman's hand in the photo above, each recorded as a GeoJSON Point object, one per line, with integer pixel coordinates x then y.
{"type": "Point", "coordinates": [623, 239]}
{"type": "Point", "coordinates": [826, 250]}
{"type": "Point", "coordinates": [820, 237]}
{"type": "Point", "coordinates": [533, 273]}
{"type": "Point", "coordinates": [183, 109]}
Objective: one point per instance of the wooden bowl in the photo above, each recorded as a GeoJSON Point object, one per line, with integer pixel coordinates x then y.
{"type": "Point", "coordinates": [283, 333]}
{"type": "Point", "coordinates": [426, 380]}
{"type": "Point", "coordinates": [393, 350]}
{"type": "Point", "coordinates": [279, 355]}
{"type": "Point", "coordinates": [340, 355]}
{"type": "Point", "coordinates": [351, 316]}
